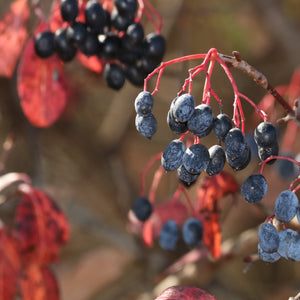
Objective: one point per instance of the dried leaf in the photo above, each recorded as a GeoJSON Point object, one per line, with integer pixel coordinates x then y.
{"type": "Point", "coordinates": [13, 35]}
{"type": "Point", "coordinates": [10, 265]}
{"type": "Point", "coordinates": [41, 86]}
{"type": "Point", "coordinates": [38, 283]}
{"type": "Point", "coordinates": [172, 210]}
{"type": "Point", "coordinates": [212, 190]}
{"type": "Point", "coordinates": [41, 225]}
{"type": "Point", "coordinates": [184, 293]}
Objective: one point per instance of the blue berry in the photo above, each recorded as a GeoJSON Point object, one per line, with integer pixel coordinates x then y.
{"type": "Point", "coordinates": [90, 45]}
{"type": "Point", "coordinates": [266, 256]}
{"type": "Point", "coordinates": [234, 143]}
{"type": "Point", "coordinates": [222, 125]}
{"type": "Point", "coordinates": [169, 235]}
{"type": "Point", "coordinates": [254, 188]}
{"type": "Point", "coordinates": [76, 33]}
{"type": "Point", "coordinates": [126, 7]}
{"type": "Point", "coordinates": [217, 160]}
{"type": "Point", "coordinates": [172, 155]}
{"type": "Point", "coordinates": [155, 45]}
{"type": "Point", "coordinates": [183, 107]}
{"type": "Point", "coordinates": [192, 231]}
{"type": "Point", "coordinates": [268, 238]}
{"type": "Point", "coordinates": [201, 121]}
{"type": "Point", "coordinates": [195, 158]}
{"type": "Point", "coordinates": [294, 248]}
{"type": "Point", "coordinates": [121, 22]}
{"type": "Point", "coordinates": [146, 125]}
{"type": "Point", "coordinates": [135, 34]}
{"type": "Point", "coordinates": [265, 134]}
{"type": "Point", "coordinates": [95, 17]}
{"type": "Point", "coordinates": [65, 50]}
{"type": "Point", "coordinates": [143, 103]}
{"type": "Point", "coordinates": [186, 177]}
{"type": "Point", "coordinates": [44, 44]}
{"type": "Point", "coordinates": [286, 206]}
{"type": "Point", "coordinates": [285, 237]}
{"type": "Point", "coordinates": [239, 161]}
{"type": "Point", "coordinates": [142, 208]}
{"type": "Point", "coordinates": [111, 44]}
{"type": "Point", "coordinates": [266, 152]}
{"type": "Point", "coordinates": [176, 127]}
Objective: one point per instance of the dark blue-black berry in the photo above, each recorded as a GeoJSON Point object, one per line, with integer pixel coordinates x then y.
{"type": "Point", "coordinates": [195, 158]}
{"type": "Point", "coordinates": [143, 103]}
{"type": "Point", "coordinates": [169, 235]}
{"type": "Point", "coordinates": [234, 143]}
{"type": "Point", "coordinates": [135, 34]}
{"type": "Point", "coordinates": [183, 107]}
{"type": "Point", "coordinates": [90, 45]}
{"type": "Point", "coordinates": [268, 238]}
{"type": "Point", "coordinates": [76, 33]}
{"type": "Point", "coordinates": [95, 17]}
{"type": "Point", "coordinates": [217, 160]}
{"type": "Point", "coordinates": [185, 177]}
{"type": "Point", "coordinates": [135, 75]}
{"type": "Point", "coordinates": [44, 44]}
{"type": "Point", "coordinates": [155, 45]}
{"type": "Point", "coordinates": [120, 22]}
{"type": "Point", "coordinates": [172, 156]}
{"type": "Point", "coordinates": [114, 76]}
{"type": "Point", "coordinates": [240, 161]}
{"type": "Point", "coordinates": [69, 10]}
{"type": "Point", "coordinates": [254, 188]}
{"type": "Point", "coordinates": [176, 127]}
{"type": "Point", "coordinates": [126, 8]}
{"type": "Point", "coordinates": [201, 121]}
{"type": "Point", "coordinates": [65, 50]}
{"type": "Point", "coordinates": [110, 46]}
{"type": "Point", "coordinates": [142, 208]}
{"type": "Point", "coordinates": [146, 125]}
{"type": "Point", "coordinates": [285, 237]}
{"type": "Point", "coordinates": [222, 125]}
{"type": "Point", "coordinates": [266, 152]}
{"type": "Point", "coordinates": [192, 231]}
{"type": "Point", "coordinates": [265, 134]}
{"type": "Point", "coordinates": [266, 256]}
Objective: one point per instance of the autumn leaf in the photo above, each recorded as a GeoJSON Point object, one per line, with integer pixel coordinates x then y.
{"type": "Point", "coordinates": [184, 293]}
{"type": "Point", "coordinates": [212, 190]}
{"type": "Point", "coordinates": [55, 20]}
{"type": "Point", "coordinates": [10, 265]}
{"type": "Point", "coordinates": [13, 35]}
{"type": "Point", "coordinates": [38, 283]}
{"type": "Point", "coordinates": [172, 210]}
{"type": "Point", "coordinates": [93, 63]}
{"type": "Point", "coordinates": [41, 225]}
{"type": "Point", "coordinates": [41, 86]}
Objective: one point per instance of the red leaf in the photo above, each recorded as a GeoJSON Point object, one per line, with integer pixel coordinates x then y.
{"type": "Point", "coordinates": [38, 283]}
{"type": "Point", "coordinates": [41, 225]}
{"type": "Point", "coordinates": [212, 190]}
{"type": "Point", "coordinates": [184, 293]}
{"type": "Point", "coordinates": [41, 86]}
{"type": "Point", "coordinates": [10, 265]}
{"type": "Point", "coordinates": [172, 210]}
{"type": "Point", "coordinates": [13, 35]}
{"type": "Point", "coordinates": [55, 20]}
{"type": "Point", "coordinates": [92, 63]}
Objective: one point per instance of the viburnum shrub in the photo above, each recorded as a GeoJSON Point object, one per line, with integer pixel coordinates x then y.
{"type": "Point", "coordinates": [196, 222]}
{"type": "Point", "coordinates": [105, 36]}
{"type": "Point", "coordinates": [32, 242]}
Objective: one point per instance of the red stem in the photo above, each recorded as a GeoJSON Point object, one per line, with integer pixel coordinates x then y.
{"type": "Point", "coordinates": [278, 157]}
{"type": "Point", "coordinates": [155, 182]}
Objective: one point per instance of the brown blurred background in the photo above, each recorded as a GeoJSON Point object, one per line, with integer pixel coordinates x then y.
{"type": "Point", "coordinates": [91, 159]}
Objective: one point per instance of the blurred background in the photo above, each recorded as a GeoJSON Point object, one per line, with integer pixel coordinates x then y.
{"type": "Point", "coordinates": [91, 159]}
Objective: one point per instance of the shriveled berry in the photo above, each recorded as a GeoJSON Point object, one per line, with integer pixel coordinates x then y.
{"type": "Point", "coordinates": [143, 103]}
{"type": "Point", "coordinates": [44, 44]}
{"type": "Point", "coordinates": [172, 156]}
{"type": "Point", "coordinates": [114, 76]}
{"type": "Point", "coordinates": [69, 10]}
{"type": "Point", "coordinates": [195, 158]}
{"type": "Point", "coordinates": [286, 206]}
{"type": "Point", "coordinates": [268, 237]}
{"type": "Point", "coordinates": [222, 125]}
{"type": "Point", "coordinates": [217, 160]}
{"type": "Point", "coordinates": [192, 231]}
{"type": "Point", "coordinates": [169, 235]}
{"type": "Point", "coordinates": [254, 188]}
{"type": "Point", "coordinates": [201, 121]}
{"type": "Point", "coordinates": [142, 208]}
{"type": "Point", "coordinates": [146, 125]}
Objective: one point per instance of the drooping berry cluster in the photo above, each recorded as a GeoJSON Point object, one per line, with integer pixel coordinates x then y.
{"type": "Point", "coordinates": [117, 37]}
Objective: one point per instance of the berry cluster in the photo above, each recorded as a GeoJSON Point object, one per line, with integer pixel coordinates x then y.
{"type": "Point", "coordinates": [115, 36]}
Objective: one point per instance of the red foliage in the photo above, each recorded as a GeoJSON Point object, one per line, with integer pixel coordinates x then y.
{"type": "Point", "coordinates": [41, 86]}
{"type": "Point", "coordinates": [174, 210]}
{"type": "Point", "coordinates": [10, 265]}
{"type": "Point", "coordinates": [13, 35]}
{"type": "Point", "coordinates": [212, 190]}
{"type": "Point", "coordinates": [184, 293]}
{"type": "Point", "coordinates": [93, 63]}
{"type": "Point", "coordinates": [38, 283]}
{"type": "Point", "coordinates": [41, 225]}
